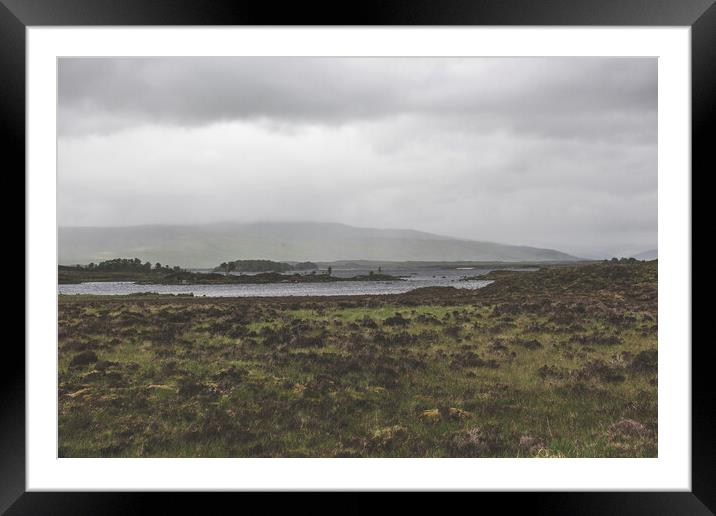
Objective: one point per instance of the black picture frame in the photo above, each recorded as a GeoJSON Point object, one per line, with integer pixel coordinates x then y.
{"type": "Point", "coordinates": [16, 15]}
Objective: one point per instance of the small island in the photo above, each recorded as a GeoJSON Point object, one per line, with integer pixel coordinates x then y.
{"type": "Point", "coordinates": [117, 269]}
{"type": "Point", "coordinates": [196, 278]}
{"type": "Point", "coordinates": [263, 266]}
{"type": "Point", "coordinates": [143, 273]}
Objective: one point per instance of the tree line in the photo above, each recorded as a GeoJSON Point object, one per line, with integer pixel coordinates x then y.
{"type": "Point", "coordinates": [263, 266]}
{"type": "Point", "coordinates": [129, 265]}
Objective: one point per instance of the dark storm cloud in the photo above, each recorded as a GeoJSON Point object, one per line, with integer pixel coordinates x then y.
{"type": "Point", "coordinates": [600, 98]}
{"type": "Point", "coordinates": [554, 152]}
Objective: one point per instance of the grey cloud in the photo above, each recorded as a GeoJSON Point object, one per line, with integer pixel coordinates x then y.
{"type": "Point", "coordinates": [548, 96]}
{"type": "Point", "coordinates": [555, 152]}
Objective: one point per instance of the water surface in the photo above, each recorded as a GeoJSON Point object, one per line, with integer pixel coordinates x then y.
{"type": "Point", "coordinates": [413, 278]}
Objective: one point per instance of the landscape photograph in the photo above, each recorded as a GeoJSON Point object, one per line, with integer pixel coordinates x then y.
{"type": "Point", "coordinates": [394, 257]}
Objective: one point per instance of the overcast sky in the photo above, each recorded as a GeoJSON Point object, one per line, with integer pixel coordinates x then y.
{"type": "Point", "coordinates": [549, 152]}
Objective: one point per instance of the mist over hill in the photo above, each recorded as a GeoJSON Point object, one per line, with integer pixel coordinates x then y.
{"type": "Point", "coordinates": [651, 254]}
{"type": "Point", "coordinates": [208, 245]}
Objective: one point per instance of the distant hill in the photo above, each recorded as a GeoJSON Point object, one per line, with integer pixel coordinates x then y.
{"type": "Point", "coordinates": [651, 254]}
{"type": "Point", "coordinates": [207, 245]}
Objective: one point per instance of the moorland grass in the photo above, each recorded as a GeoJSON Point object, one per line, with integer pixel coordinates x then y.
{"type": "Point", "coordinates": [555, 363]}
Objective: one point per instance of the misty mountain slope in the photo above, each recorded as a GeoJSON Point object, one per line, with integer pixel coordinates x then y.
{"type": "Point", "coordinates": [651, 254]}
{"type": "Point", "coordinates": [208, 245]}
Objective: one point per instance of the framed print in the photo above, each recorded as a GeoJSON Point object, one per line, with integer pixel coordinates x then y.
{"type": "Point", "coordinates": [417, 249]}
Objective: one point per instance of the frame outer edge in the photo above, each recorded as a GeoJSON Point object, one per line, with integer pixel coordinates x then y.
{"type": "Point", "coordinates": [12, 134]}
{"type": "Point", "coordinates": [12, 114]}
{"type": "Point", "coordinates": [366, 12]}
{"type": "Point", "coordinates": [703, 109]}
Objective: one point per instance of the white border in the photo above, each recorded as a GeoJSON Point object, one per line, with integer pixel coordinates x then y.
{"type": "Point", "coordinates": [670, 471]}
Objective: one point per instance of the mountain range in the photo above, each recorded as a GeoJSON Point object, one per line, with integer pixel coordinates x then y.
{"type": "Point", "coordinates": [210, 244]}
